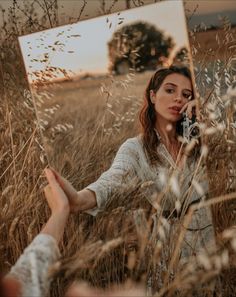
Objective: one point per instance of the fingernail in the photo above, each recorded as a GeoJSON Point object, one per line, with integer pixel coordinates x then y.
{"type": "Point", "coordinates": [48, 171]}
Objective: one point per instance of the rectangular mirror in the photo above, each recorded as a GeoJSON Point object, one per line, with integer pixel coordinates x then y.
{"type": "Point", "coordinates": [87, 79]}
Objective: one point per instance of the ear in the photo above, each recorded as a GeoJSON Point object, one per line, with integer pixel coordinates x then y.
{"type": "Point", "coordinates": [152, 96]}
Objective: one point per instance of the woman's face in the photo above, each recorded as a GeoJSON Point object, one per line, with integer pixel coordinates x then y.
{"type": "Point", "coordinates": [174, 92]}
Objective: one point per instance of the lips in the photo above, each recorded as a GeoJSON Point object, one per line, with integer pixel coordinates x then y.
{"type": "Point", "coordinates": [175, 109]}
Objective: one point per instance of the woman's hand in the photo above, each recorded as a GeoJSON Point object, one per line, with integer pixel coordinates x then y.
{"type": "Point", "coordinates": [56, 198]}
{"type": "Point", "coordinates": [189, 108]}
{"type": "Point", "coordinates": [69, 190]}
{"type": "Point", "coordinates": [59, 205]}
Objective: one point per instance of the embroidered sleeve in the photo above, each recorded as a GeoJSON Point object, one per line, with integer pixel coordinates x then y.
{"type": "Point", "coordinates": [122, 171]}
{"type": "Point", "coordinates": [31, 269]}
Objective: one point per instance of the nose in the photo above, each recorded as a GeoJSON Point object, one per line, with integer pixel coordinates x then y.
{"type": "Point", "coordinates": [178, 97]}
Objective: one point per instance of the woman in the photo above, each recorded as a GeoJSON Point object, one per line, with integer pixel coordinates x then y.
{"type": "Point", "coordinates": [156, 155]}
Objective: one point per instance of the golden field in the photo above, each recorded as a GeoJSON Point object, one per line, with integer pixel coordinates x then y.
{"type": "Point", "coordinates": [99, 116]}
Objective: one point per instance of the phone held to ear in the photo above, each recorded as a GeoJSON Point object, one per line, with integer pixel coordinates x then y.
{"type": "Point", "coordinates": [190, 127]}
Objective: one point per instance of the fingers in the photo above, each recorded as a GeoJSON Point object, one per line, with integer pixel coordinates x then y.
{"type": "Point", "coordinates": [55, 196]}
{"type": "Point", "coordinates": [54, 186]}
{"type": "Point", "coordinates": [58, 177]}
{"type": "Point", "coordinates": [189, 112]}
{"type": "Point", "coordinates": [55, 173]}
{"type": "Point", "coordinates": [47, 190]}
{"type": "Point", "coordinates": [188, 108]}
{"type": "Point", "coordinates": [50, 177]}
{"type": "Point", "coordinates": [183, 108]}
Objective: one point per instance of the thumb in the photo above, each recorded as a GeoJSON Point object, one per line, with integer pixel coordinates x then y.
{"type": "Point", "coordinates": [58, 177]}
{"type": "Point", "coordinates": [55, 187]}
{"type": "Point", "coordinates": [183, 108]}
{"type": "Point", "coordinates": [47, 191]}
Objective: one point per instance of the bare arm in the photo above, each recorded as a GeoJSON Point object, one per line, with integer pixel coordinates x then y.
{"type": "Point", "coordinates": [55, 225]}
{"type": "Point", "coordinates": [96, 194]}
{"type": "Point", "coordinates": [30, 273]}
{"type": "Point", "coordinates": [86, 200]}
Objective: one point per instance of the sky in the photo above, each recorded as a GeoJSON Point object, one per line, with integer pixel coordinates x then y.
{"type": "Point", "coordinates": [85, 43]}
{"type": "Point", "coordinates": [210, 6]}
{"type": "Point", "coordinates": [93, 7]}
{"type": "Point", "coordinates": [71, 7]}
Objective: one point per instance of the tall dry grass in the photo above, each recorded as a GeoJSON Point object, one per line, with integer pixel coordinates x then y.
{"type": "Point", "coordinates": [115, 246]}
{"type": "Point", "coordinates": [214, 56]}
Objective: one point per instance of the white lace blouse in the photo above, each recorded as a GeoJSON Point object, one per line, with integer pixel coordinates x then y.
{"type": "Point", "coordinates": [32, 268]}
{"type": "Point", "coordinates": [187, 186]}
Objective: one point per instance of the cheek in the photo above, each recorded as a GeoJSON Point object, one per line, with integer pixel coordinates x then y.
{"type": "Point", "coordinates": [162, 103]}
{"type": "Point", "coordinates": [160, 108]}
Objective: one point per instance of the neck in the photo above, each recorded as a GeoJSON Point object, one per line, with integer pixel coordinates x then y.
{"type": "Point", "coordinates": [168, 135]}
{"type": "Point", "coordinates": [166, 130]}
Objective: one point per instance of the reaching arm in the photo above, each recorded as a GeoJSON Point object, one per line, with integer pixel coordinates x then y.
{"type": "Point", "coordinates": [123, 169]}
{"type": "Point", "coordinates": [31, 270]}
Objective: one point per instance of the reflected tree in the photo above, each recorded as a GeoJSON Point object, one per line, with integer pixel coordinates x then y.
{"type": "Point", "coordinates": [182, 56]}
{"type": "Point", "coordinates": [140, 46]}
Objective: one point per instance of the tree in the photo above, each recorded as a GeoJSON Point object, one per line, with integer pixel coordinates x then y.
{"type": "Point", "coordinates": [139, 46]}
{"type": "Point", "coordinates": [181, 56]}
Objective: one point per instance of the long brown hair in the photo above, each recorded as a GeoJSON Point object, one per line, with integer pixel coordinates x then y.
{"type": "Point", "coordinates": [148, 116]}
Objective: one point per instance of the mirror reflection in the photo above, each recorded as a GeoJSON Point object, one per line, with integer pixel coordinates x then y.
{"type": "Point", "coordinates": [88, 78]}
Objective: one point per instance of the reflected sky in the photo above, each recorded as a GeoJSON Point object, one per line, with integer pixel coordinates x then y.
{"type": "Point", "coordinates": [82, 47]}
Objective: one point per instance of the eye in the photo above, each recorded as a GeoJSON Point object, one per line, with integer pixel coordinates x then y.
{"type": "Point", "coordinates": [170, 90]}
{"type": "Point", "coordinates": [188, 95]}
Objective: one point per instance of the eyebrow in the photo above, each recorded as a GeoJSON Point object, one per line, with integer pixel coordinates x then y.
{"type": "Point", "coordinates": [169, 83]}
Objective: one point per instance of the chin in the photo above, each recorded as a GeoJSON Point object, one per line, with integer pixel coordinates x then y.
{"type": "Point", "coordinates": [174, 120]}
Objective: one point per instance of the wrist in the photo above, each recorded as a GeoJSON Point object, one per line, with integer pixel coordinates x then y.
{"type": "Point", "coordinates": [63, 211]}
{"type": "Point", "coordinates": [55, 225]}
{"type": "Point", "coordinates": [86, 199]}
{"type": "Point", "coordinates": [76, 204]}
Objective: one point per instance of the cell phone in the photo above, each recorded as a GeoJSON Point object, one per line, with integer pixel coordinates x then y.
{"type": "Point", "coordinates": [190, 127]}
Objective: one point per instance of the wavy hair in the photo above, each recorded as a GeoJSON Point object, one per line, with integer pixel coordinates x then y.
{"type": "Point", "coordinates": [148, 115]}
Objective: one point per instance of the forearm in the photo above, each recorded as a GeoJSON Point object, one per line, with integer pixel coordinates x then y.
{"type": "Point", "coordinates": [85, 200]}
{"type": "Point", "coordinates": [55, 225]}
